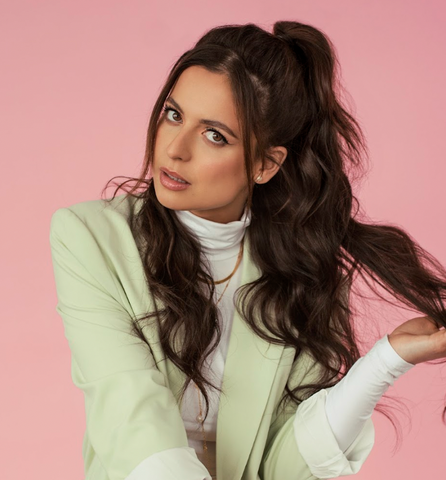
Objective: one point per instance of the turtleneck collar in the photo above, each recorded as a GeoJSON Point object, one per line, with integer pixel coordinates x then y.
{"type": "Point", "coordinates": [217, 239]}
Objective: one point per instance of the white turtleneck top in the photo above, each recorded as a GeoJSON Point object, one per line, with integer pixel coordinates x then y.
{"type": "Point", "coordinates": [348, 404]}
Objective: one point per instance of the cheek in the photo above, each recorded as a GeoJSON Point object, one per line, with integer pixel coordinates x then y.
{"type": "Point", "coordinates": [160, 142]}
{"type": "Point", "coordinates": [227, 173]}
{"type": "Point", "coordinates": [229, 164]}
{"type": "Point", "coordinates": [163, 138]}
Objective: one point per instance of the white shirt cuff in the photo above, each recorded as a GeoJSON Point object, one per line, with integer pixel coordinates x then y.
{"type": "Point", "coordinates": [352, 400]}
{"type": "Point", "coordinates": [319, 447]}
{"type": "Point", "coordinates": [333, 427]}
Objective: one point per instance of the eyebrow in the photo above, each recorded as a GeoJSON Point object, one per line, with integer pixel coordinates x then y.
{"type": "Point", "coordinates": [205, 121]}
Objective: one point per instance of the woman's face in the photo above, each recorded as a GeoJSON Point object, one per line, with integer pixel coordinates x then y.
{"type": "Point", "coordinates": [198, 140]}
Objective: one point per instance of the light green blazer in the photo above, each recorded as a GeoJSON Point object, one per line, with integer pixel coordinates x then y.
{"type": "Point", "coordinates": [131, 404]}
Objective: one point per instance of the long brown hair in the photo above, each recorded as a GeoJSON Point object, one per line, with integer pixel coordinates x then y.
{"type": "Point", "coordinates": [305, 235]}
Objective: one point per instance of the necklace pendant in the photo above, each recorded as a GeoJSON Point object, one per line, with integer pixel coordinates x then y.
{"type": "Point", "coordinates": [200, 418]}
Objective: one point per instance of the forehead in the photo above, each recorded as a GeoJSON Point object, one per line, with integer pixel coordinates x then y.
{"type": "Point", "coordinates": [202, 93]}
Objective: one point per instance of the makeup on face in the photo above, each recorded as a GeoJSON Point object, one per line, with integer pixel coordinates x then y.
{"type": "Point", "coordinates": [195, 167]}
{"type": "Point", "coordinates": [172, 180]}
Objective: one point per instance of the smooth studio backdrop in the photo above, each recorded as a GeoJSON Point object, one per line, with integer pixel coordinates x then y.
{"type": "Point", "coordinates": [78, 81]}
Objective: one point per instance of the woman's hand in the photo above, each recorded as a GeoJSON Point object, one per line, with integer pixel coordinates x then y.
{"type": "Point", "coordinates": [419, 340]}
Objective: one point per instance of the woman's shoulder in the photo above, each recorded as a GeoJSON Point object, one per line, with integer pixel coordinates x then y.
{"type": "Point", "coordinates": [92, 244]}
{"type": "Point", "coordinates": [106, 220]}
{"type": "Point", "coordinates": [116, 209]}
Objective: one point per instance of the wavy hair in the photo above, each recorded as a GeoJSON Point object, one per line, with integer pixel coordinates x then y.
{"type": "Point", "coordinates": [305, 236]}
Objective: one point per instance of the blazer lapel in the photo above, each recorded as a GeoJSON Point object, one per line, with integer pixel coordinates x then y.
{"type": "Point", "coordinates": [250, 368]}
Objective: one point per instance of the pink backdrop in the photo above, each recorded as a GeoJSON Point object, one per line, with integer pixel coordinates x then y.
{"type": "Point", "coordinates": [77, 85]}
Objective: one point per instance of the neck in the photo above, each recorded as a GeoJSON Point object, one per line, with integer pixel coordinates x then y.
{"type": "Point", "coordinates": [220, 240]}
{"type": "Point", "coordinates": [217, 216]}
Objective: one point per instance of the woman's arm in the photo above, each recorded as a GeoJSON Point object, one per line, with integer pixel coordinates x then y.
{"type": "Point", "coordinates": [351, 401]}
{"type": "Point", "coordinates": [133, 421]}
{"type": "Point", "coordinates": [331, 448]}
{"type": "Point", "coordinates": [301, 444]}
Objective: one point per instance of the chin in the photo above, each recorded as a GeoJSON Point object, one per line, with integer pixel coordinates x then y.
{"type": "Point", "coordinates": [167, 199]}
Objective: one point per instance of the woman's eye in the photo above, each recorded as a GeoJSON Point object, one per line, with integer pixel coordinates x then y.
{"type": "Point", "coordinates": [216, 137]}
{"type": "Point", "coordinates": [168, 110]}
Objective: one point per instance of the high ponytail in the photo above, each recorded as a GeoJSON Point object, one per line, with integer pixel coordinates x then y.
{"type": "Point", "coordinates": [314, 52]}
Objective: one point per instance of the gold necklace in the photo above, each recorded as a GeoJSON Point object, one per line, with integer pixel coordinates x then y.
{"type": "Point", "coordinates": [200, 415]}
{"type": "Point", "coordinates": [201, 421]}
{"type": "Point", "coordinates": [239, 259]}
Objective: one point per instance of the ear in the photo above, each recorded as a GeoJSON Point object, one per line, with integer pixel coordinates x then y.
{"type": "Point", "coordinates": [263, 175]}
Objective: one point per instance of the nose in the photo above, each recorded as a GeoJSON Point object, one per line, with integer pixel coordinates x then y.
{"type": "Point", "coordinates": [179, 146]}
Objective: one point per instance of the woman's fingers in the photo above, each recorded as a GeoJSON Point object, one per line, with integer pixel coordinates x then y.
{"type": "Point", "coordinates": [419, 340]}
{"type": "Point", "coordinates": [419, 325]}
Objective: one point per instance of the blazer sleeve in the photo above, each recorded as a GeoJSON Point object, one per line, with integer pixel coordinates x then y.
{"type": "Point", "coordinates": [132, 418]}
{"type": "Point", "coordinates": [301, 444]}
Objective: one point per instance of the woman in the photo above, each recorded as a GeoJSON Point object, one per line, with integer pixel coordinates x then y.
{"type": "Point", "coordinates": [208, 315]}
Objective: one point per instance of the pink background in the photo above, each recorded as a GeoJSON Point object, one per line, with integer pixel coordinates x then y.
{"type": "Point", "coordinates": [77, 84]}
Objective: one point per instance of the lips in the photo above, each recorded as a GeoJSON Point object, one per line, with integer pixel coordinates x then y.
{"type": "Point", "coordinates": [173, 174]}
